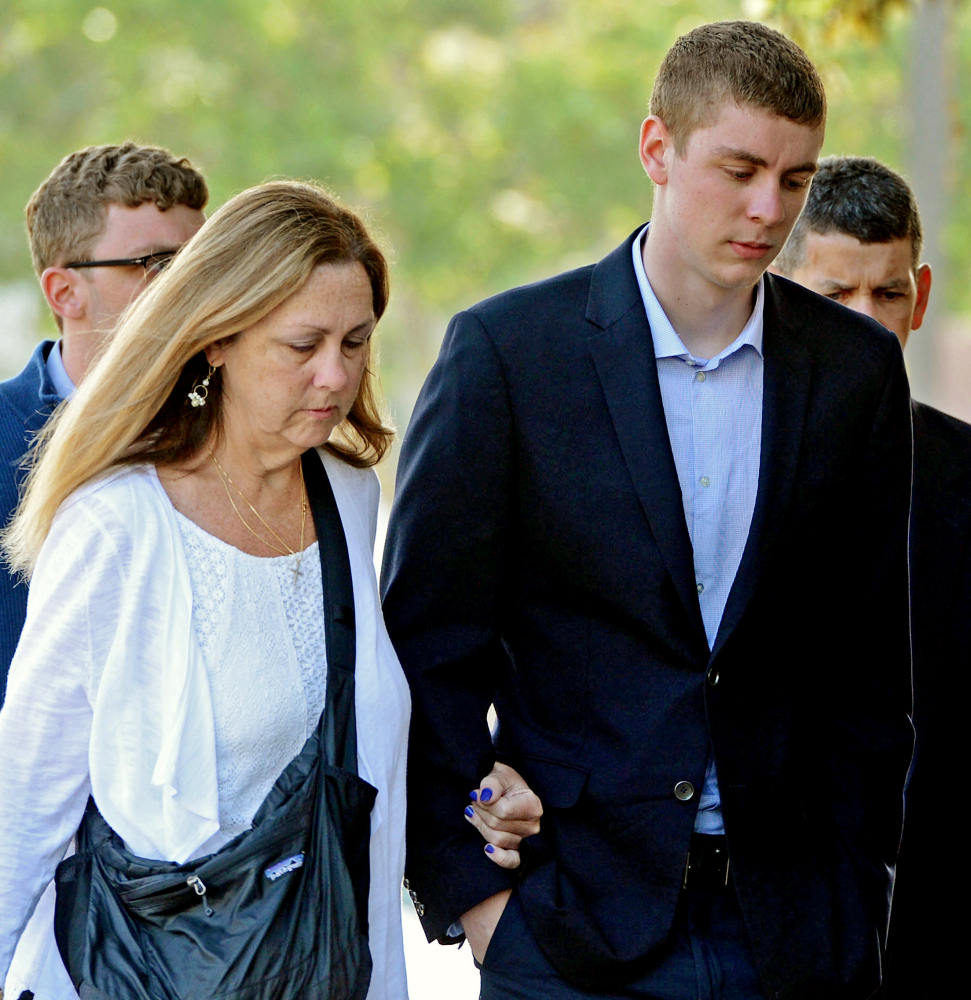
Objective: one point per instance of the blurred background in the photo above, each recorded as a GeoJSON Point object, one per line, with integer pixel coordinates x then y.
{"type": "Point", "coordinates": [489, 143]}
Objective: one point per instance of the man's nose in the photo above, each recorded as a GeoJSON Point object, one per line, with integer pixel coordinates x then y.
{"type": "Point", "coordinates": [766, 204]}
{"type": "Point", "coordinates": [862, 303]}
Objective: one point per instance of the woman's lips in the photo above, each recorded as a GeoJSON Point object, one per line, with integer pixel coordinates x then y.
{"type": "Point", "coordinates": [751, 251]}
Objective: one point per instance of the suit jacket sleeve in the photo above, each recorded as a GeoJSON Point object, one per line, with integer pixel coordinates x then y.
{"type": "Point", "coordinates": [442, 603]}
{"type": "Point", "coordinates": [871, 684]}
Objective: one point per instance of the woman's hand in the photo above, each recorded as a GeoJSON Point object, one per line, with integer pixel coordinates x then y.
{"type": "Point", "coordinates": [504, 810]}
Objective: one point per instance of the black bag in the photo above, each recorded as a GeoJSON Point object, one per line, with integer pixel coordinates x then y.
{"type": "Point", "coordinates": [280, 912]}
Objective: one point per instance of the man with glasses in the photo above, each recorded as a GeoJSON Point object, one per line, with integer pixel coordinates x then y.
{"type": "Point", "coordinates": [105, 221]}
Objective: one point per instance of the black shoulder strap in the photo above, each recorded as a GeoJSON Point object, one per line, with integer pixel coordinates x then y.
{"type": "Point", "coordinates": [338, 727]}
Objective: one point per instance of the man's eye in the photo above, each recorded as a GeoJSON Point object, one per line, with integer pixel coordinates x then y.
{"type": "Point", "coordinates": [739, 175]}
{"type": "Point", "coordinates": [797, 183]}
{"type": "Point", "coordinates": [303, 348]}
{"type": "Point", "coordinates": [892, 296]}
{"type": "Point", "coordinates": [835, 296]}
{"type": "Point", "coordinates": [156, 264]}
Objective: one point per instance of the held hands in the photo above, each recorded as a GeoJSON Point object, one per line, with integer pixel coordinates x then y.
{"type": "Point", "coordinates": [504, 810]}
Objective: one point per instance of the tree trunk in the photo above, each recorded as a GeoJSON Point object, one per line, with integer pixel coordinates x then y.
{"type": "Point", "coordinates": [929, 100]}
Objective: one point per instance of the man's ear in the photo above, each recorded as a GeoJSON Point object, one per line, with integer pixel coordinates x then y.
{"type": "Point", "coordinates": [66, 292]}
{"type": "Point", "coordinates": [656, 141]}
{"type": "Point", "coordinates": [923, 295]}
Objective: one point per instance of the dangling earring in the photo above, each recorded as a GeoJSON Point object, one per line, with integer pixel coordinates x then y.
{"type": "Point", "coordinates": [199, 393]}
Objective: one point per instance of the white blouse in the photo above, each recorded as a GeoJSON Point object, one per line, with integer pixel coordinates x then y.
{"type": "Point", "coordinates": [261, 632]}
{"type": "Point", "coordinates": [118, 690]}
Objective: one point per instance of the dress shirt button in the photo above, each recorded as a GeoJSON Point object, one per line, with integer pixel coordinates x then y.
{"type": "Point", "coordinates": [700, 377]}
{"type": "Point", "coordinates": [705, 481]}
{"type": "Point", "coordinates": [700, 588]}
{"type": "Point", "coordinates": [684, 791]}
{"type": "Point", "coordinates": [420, 909]}
{"type": "Point", "coordinates": [713, 676]}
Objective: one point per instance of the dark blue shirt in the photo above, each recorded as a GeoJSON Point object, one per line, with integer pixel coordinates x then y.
{"type": "Point", "coordinates": [26, 402]}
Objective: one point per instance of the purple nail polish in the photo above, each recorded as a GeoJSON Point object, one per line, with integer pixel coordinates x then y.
{"type": "Point", "coordinates": [474, 795]}
{"type": "Point", "coordinates": [490, 849]}
{"type": "Point", "coordinates": [469, 812]}
{"type": "Point", "coordinates": [486, 794]}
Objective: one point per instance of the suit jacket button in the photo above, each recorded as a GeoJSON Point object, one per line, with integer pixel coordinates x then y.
{"type": "Point", "coordinates": [713, 676]}
{"type": "Point", "coordinates": [684, 790]}
{"type": "Point", "coordinates": [406, 883]}
{"type": "Point", "coordinates": [420, 909]}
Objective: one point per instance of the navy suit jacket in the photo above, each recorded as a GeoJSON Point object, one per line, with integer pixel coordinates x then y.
{"type": "Point", "coordinates": [26, 402]}
{"type": "Point", "coordinates": [538, 559]}
{"type": "Point", "coordinates": [922, 923]}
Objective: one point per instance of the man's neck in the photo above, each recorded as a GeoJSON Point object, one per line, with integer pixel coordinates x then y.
{"type": "Point", "coordinates": [706, 317]}
{"type": "Point", "coordinates": [79, 349]}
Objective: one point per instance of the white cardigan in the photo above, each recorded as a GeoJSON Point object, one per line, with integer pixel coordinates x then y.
{"type": "Point", "coordinates": [108, 695]}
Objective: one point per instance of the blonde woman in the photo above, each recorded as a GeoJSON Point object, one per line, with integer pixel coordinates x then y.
{"type": "Point", "coordinates": [173, 659]}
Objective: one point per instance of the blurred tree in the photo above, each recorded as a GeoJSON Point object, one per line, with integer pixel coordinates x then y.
{"type": "Point", "coordinates": [835, 20]}
{"type": "Point", "coordinates": [492, 143]}
{"type": "Point", "coordinates": [934, 128]}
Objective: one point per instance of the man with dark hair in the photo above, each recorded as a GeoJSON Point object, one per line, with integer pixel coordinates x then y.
{"type": "Point", "coordinates": [104, 222]}
{"type": "Point", "coordinates": [655, 511]}
{"type": "Point", "coordinates": [858, 241]}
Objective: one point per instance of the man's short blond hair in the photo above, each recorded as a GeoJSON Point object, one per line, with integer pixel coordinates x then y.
{"type": "Point", "coordinates": [68, 212]}
{"type": "Point", "coordinates": [741, 61]}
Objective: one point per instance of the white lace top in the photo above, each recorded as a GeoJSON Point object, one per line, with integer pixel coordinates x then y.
{"type": "Point", "coordinates": [262, 637]}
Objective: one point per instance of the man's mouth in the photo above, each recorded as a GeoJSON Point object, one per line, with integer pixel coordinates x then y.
{"type": "Point", "coordinates": [750, 251]}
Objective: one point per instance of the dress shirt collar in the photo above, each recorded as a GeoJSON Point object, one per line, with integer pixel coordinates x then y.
{"type": "Point", "coordinates": [667, 343]}
{"type": "Point", "coordinates": [63, 385]}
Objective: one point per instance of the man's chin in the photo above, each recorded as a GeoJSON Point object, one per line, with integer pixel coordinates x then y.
{"type": "Point", "coordinates": [740, 276]}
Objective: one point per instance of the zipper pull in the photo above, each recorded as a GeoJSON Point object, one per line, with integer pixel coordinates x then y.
{"type": "Point", "coordinates": [200, 889]}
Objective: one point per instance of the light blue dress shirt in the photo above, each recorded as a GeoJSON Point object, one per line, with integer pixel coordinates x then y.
{"type": "Point", "coordinates": [713, 412]}
{"type": "Point", "coordinates": [63, 385]}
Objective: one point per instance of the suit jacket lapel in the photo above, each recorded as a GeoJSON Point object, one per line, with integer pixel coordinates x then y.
{"type": "Point", "coordinates": [623, 353]}
{"type": "Point", "coordinates": [787, 376]}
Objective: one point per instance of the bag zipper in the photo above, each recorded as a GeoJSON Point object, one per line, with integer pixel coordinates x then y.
{"type": "Point", "coordinates": [159, 885]}
{"type": "Point", "coordinates": [200, 889]}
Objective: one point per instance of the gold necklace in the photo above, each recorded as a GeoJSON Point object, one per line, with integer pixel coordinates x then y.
{"type": "Point", "coordinates": [227, 481]}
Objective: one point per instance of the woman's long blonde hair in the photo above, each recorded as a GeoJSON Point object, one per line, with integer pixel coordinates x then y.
{"type": "Point", "coordinates": [256, 251]}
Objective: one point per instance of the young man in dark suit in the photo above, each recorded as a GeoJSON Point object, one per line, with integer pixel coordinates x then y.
{"type": "Point", "coordinates": [858, 241]}
{"type": "Point", "coordinates": [105, 220]}
{"type": "Point", "coordinates": [655, 510]}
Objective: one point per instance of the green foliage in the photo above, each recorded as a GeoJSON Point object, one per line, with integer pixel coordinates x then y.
{"type": "Point", "coordinates": [832, 21]}
{"type": "Point", "coordinates": [492, 143]}
{"type": "Point", "coordinates": [485, 136]}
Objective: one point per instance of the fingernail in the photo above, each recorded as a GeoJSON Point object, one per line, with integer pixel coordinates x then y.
{"type": "Point", "coordinates": [490, 849]}
{"type": "Point", "coordinates": [473, 795]}
{"type": "Point", "coordinates": [486, 794]}
{"type": "Point", "coordinates": [469, 811]}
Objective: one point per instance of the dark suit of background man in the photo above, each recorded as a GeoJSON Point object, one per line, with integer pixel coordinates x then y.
{"type": "Point", "coordinates": [655, 509]}
{"type": "Point", "coordinates": [858, 241]}
{"type": "Point", "coordinates": [104, 221]}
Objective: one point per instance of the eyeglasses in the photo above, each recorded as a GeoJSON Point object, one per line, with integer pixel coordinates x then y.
{"type": "Point", "coordinates": [153, 263]}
